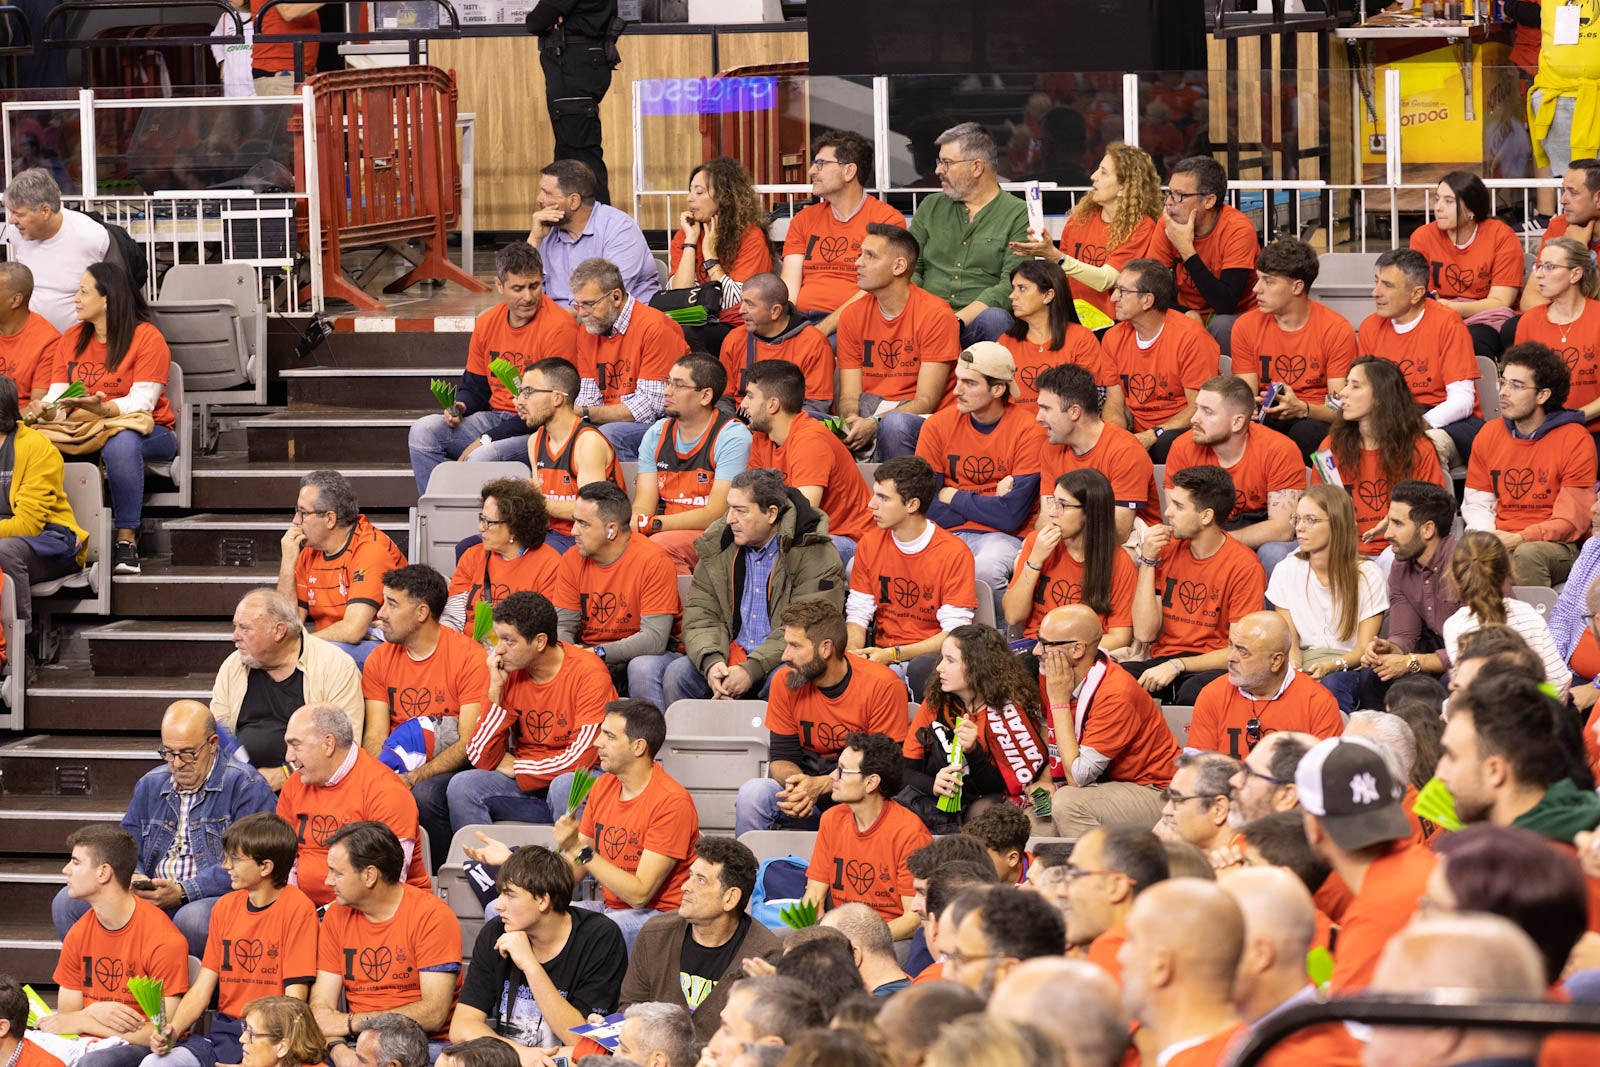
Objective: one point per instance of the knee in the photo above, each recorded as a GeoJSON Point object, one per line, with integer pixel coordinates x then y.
{"type": "Point", "coordinates": [756, 792]}
{"type": "Point", "coordinates": [463, 787]}
{"type": "Point", "coordinates": [424, 433]}
{"type": "Point", "coordinates": [990, 324]}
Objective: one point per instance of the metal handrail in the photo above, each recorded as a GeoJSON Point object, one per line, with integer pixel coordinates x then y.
{"type": "Point", "coordinates": [69, 6]}
{"type": "Point", "coordinates": [413, 38]}
{"type": "Point", "coordinates": [11, 11]}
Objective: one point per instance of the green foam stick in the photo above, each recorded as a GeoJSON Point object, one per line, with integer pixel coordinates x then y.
{"type": "Point", "coordinates": [444, 392]}
{"type": "Point", "coordinates": [799, 916]}
{"type": "Point", "coordinates": [150, 993]}
{"type": "Point", "coordinates": [482, 621]}
{"type": "Point", "coordinates": [582, 782]}
{"type": "Point", "coordinates": [689, 316]}
{"type": "Point", "coordinates": [1319, 967]}
{"type": "Point", "coordinates": [1435, 804]}
{"type": "Point", "coordinates": [1043, 803]}
{"type": "Point", "coordinates": [951, 803]}
{"type": "Point", "coordinates": [73, 391]}
{"type": "Point", "coordinates": [507, 372]}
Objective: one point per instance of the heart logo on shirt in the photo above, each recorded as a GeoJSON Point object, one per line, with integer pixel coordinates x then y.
{"type": "Point", "coordinates": [1569, 355]}
{"type": "Point", "coordinates": [615, 840]}
{"type": "Point", "coordinates": [602, 606]}
{"type": "Point", "coordinates": [1239, 502]}
{"type": "Point", "coordinates": [537, 725]}
{"type": "Point", "coordinates": [1141, 387]}
{"type": "Point", "coordinates": [87, 373]}
{"type": "Point", "coordinates": [830, 737]}
{"type": "Point", "coordinates": [1374, 493]}
{"type": "Point", "coordinates": [1517, 482]}
{"type": "Point", "coordinates": [1458, 279]}
{"type": "Point", "coordinates": [831, 248]}
{"type": "Point", "coordinates": [323, 827]}
{"type": "Point", "coordinates": [978, 469]}
{"type": "Point", "coordinates": [247, 952]}
{"type": "Point", "coordinates": [110, 973]}
{"type": "Point", "coordinates": [1291, 369]}
{"type": "Point", "coordinates": [1094, 255]}
{"type": "Point", "coordinates": [906, 592]}
{"type": "Point", "coordinates": [375, 963]}
{"type": "Point", "coordinates": [1065, 593]}
{"type": "Point", "coordinates": [414, 700]}
{"type": "Point", "coordinates": [861, 876]}
{"type": "Point", "coordinates": [889, 353]}
{"type": "Point", "coordinates": [1192, 595]}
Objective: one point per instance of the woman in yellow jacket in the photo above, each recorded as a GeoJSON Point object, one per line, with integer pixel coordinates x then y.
{"type": "Point", "coordinates": [39, 537]}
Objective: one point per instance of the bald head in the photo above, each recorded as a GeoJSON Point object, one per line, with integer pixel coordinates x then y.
{"type": "Point", "coordinates": [1277, 908]}
{"type": "Point", "coordinates": [865, 928]}
{"type": "Point", "coordinates": [189, 718]}
{"type": "Point", "coordinates": [1264, 631]}
{"type": "Point", "coordinates": [1196, 924]}
{"type": "Point", "coordinates": [767, 289]}
{"type": "Point", "coordinates": [1076, 1001]}
{"type": "Point", "coordinates": [1074, 622]}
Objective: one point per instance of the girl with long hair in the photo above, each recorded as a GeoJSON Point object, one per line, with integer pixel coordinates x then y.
{"type": "Point", "coordinates": [1379, 441]}
{"type": "Point", "coordinates": [1045, 333]}
{"type": "Point", "coordinates": [123, 362]}
{"type": "Point", "coordinates": [981, 697]}
{"type": "Point", "coordinates": [1333, 598]}
{"type": "Point", "coordinates": [1475, 259]}
{"type": "Point", "coordinates": [1074, 557]}
{"type": "Point", "coordinates": [1569, 320]}
{"type": "Point", "coordinates": [1480, 572]}
{"type": "Point", "coordinates": [1107, 228]}
{"type": "Point", "coordinates": [721, 237]}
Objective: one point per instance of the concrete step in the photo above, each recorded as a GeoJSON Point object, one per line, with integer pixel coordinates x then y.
{"type": "Point", "coordinates": [30, 949]}
{"type": "Point", "coordinates": [31, 825]}
{"type": "Point", "coordinates": [66, 697]}
{"type": "Point", "coordinates": [221, 540]}
{"type": "Point", "coordinates": [158, 648]}
{"type": "Point", "coordinates": [364, 388]}
{"type": "Point", "coordinates": [29, 885]}
{"type": "Point", "coordinates": [231, 482]}
{"type": "Point", "coordinates": [334, 438]}
{"type": "Point", "coordinates": [360, 350]}
{"type": "Point", "coordinates": [101, 767]}
{"type": "Point", "coordinates": [166, 590]}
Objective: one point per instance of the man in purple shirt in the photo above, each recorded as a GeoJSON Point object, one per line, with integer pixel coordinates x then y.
{"type": "Point", "coordinates": [570, 227]}
{"type": "Point", "coordinates": [1421, 518]}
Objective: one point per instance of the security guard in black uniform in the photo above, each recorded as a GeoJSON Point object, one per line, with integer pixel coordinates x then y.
{"type": "Point", "coordinates": [578, 51]}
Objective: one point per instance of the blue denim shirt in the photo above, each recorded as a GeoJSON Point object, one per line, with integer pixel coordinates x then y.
{"type": "Point", "coordinates": [231, 791]}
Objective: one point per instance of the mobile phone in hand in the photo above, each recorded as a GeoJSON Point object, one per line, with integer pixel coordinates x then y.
{"type": "Point", "coordinates": [1274, 391]}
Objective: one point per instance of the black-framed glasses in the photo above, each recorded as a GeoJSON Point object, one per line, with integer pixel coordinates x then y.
{"type": "Point", "coordinates": [946, 164]}
{"type": "Point", "coordinates": [1118, 292]}
{"type": "Point", "coordinates": [1055, 644]}
{"type": "Point", "coordinates": [1055, 503]}
{"type": "Point", "coordinates": [820, 162]}
{"type": "Point", "coordinates": [484, 520]}
{"type": "Point", "coordinates": [1169, 796]}
{"type": "Point", "coordinates": [590, 305]}
{"type": "Point", "coordinates": [1251, 772]}
{"type": "Point", "coordinates": [186, 756]}
{"type": "Point", "coordinates": [247, 1035]}
{"type": "Point", "coordinates": [303, 514]}
{"type": "Point", "coordinates": [1172, 196]}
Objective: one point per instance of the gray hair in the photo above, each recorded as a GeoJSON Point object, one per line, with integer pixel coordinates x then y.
{"type": "Point", "coordinates": [1214, 772]}
{"type": "Point", "coordinates": [335, 494]}
{"type": "Point", "coordinates": [665, 1028]}
{"type": "Point", "coordinates": [34, 188]}
{"type": "Point", "coordinates": [278, 609]}
{"type": "Point", "coordinates": [1396, 741]}
{"type": "Point", "coordinates": [864, 927]}
{"type": "Point", "coordinates": [331, 719]}
{"type": "Point", "coordinates": [400, 1040]}
{"type": "Point", "coordinates": [601, 272]}
{"type": "Point", "coordinates": [765, 486]}
{"type": "Point", "coordinates": [975, 142]}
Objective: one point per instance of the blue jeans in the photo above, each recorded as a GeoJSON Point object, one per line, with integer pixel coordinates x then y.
{"type": "Point", "coordinates": [670, 677]}
{"type": "Point", "coordinates": [193, 919]}
{"type": "Point", "coordinates": [1346, 689]}
{"type": "Point", "coordinates": [625, 438]}
{"type": "Point", "coordinates": [489, 796]}
{"type": "Point", "coordinates": [433, 812]}
{"type": "Point", "coordinates": [990, 325]}
{"type": "Point", "coordinates": [432, 442]}
{"type": "Point", "coordinates": [897, 434]}
{"type": "Point", "coordinates": [847, 550]}
{"type": "Point", "coordinates": [1275, 552]}
{"type": "Point", "coordinates": [124, 457]}
{"type": "Point", "coordinates": [629, 920]}
{"type": "Point", "coordinates": [358, 651]}
{"type": "Point", "coordinates": [756, 808]}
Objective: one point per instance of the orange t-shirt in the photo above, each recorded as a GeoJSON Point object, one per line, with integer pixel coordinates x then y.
{"type": "Point", "coordinates": [1271, 463]}
{"type": "Point", "coordinates": [871, 699]}
{"type": "Point", "coordinates": [1117, 455]}
{"type": "Point", "coordinates": [1104, 950]}
{"type": "Point", "coordinates": [807, 348]}
{"type": "Point", "coordinates": [753, 257]}
{"type": "Point", "coordinates": [828, 249]}
{"type": "Point", "coordinates": [867, 867]}
{"type": "Point", "coordinates": [551, 332]}
{"type": "Point", "coordinates": [910, 590]}
{"type": "Point", "coordinates": [613, 599]}
{"type": "Point", "coordinates": [1526, 476]}
{"type": "Point", "coordinates": [1302, 359]}
{"type": "Point", "coordinates": [1221, 712]}
{"type": "Point", "coordinates": [148, 359]}
{"type": "Point", "coordinates": [453, 674]}
{"type": "Point", "coordinates": [1207, 1053]}
{"type": "Point", "coordinates": [975, 460]}
{"type": "Point", "coordinates": [257, 953]}
{"type": "Point", "coordinates": [280, 56]}
{"type": "Point", "coordinates": [1201, 598]}
{"type": "Point", "coordinates": [26, 357]}
{"type": "Point", "coordinates": [890, 353]}
{"type": "Point", "coordinates": [1492, 257]}
{"type": "Point", "coordinates": [381, 963]}
{"type": "Point", "coordinates": [326, 585]}
{"type": "Point", "coordinates": [98, 962]}
{"type": "Point", "coordinates": [1231, 245]}
{"type": "Point", "coordinates": [1086, 241]}
{"type": "Point", "coordinates": [557, 473]}
{"type": "Point", "coordinates": [1437, 351]}
{"type": "Point", "coordinates": [812, 455]}
{"type": "Point", "coordinates": [618, 361]}
{"type": "Point", "coordinates": [1369, 488]}
{"type": "Point", "coordinates": [554, 723]}
{"type": "Point", "coordinates": [30, 1054]}
{"type": "Point", "coordinates": [1125, 725]}
{"type": "Point", "coordinates": [317, 812]}
{"type": "Point", "coordinates": [1389, 894]}
{"type": "Point", "coordinates": [661, 819]}
{"type": "Point", "coordinates": [485, 575]}
{"type": "Point", "coordinates": [1078, 345]}
{"type": "Point", "coordinates": [1061, 583]}
{"type": "Point", "coordinates": [1184, 356]}
{"type": "Point", "coordinates": [1578, 343]}
{"type": "Point", "coordinates": [1421, 829]}
{"type": "Point", "coordinates": [933, 972]}
{"type": "Point", "coordinates": [1559, 225]}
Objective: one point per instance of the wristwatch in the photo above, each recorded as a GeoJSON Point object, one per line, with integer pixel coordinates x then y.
{"type": "Point", "coordinates": [1412, 666]}
{"type": "Point", "coordinates": [585, 854]}
{"type": "Point", "coordinates": [599, 650]}
{"type": "Point", "coordinates": [586, 413]}
{"type": "Point", "coordinates": [709, 263]}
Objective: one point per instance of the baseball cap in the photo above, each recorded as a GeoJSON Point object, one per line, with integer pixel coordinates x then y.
{"type": "Point", "coordinates": [1345, 783]}
{"type": "Point", "coordinates": [993, 360]}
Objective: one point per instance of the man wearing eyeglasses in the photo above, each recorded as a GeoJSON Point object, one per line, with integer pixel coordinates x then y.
{"type": "Point", "coordinates": [1262, 692]}
{"type": "Point", "coordinates": [1264, 783]}
{"type": "Point", "coordinates": [565, 452]}
{"type": "Point", "coordinates": [1109, 868]}
{"type": "Point", "coordinates": [1195, 806]}
{"type": "Point", "coordinates": [1531, 478]}
{"type": "Point", "coordinates": [1209, 244]}
{"type": "Point", "coordinates": [178, 814]}
{"type": "Point", "coordinates": [526, 326]}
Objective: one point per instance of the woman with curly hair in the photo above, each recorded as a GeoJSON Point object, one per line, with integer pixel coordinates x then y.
{"type": "Point", "coordinates": [1379, 442]}
{"type": "Point", "coordinates": [1480, 571]}
{"type": "Point", "coordinates": [1045, 332]}
{"type": "Point", "coordinates": [722, 237]}
{"type": "Point", "coordinates": [1107, 228]}
{"type": "Point", "coordinates": [981, 697]}
{"type": "Point", "coordinates": [510, 554]}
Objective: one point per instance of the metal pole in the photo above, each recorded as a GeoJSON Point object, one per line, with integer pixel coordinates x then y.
{"type": "Point", "coordinates": [308, 116]}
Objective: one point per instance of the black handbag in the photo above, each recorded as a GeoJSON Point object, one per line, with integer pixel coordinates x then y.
{"type": "Point", "coordinates": [693, 306]}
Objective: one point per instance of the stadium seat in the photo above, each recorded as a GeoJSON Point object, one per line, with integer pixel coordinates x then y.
{"type": "Point", "coordinates": [1542, 598]}
{"type": "Point", "coordinates": [1035, 842]}
{"type": "Point", "coordinates": [85, 494]}
{"type": "Point", "coordinates": [179, 469]}
{"type": "Point", "coordinates": [629, 472]}
{"type": "Point", "coordinates": [207, 340]}
{"type": "Point", "coordinates": [1488, 388]}
{"type": "Point", "coordinates": [985, 614]}
{"type": "Point", "coordinates": [235, 284]}
{"type": "Point", "coordinates": [735, 718]}
{"type": "Point", "coordinates": [1178, 716]}
{"type": "Point", "coordinates": [771, 844]}
{"type": "Point", "coordinates": [451, 880]}
{"type": "Point", "coordinates": [712, 768]}
{"type": "Point", "coordinates": [448, 511]}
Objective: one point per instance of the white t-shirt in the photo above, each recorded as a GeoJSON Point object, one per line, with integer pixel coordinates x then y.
{"type": "Point", "coordinates": [1530, 626]}
{"type": "Point", "coordinates": [1309, 603]}
{"type": "Point", "coordinates": [235, 56]}
{"type": "Point", "coordinates": [58, 264]}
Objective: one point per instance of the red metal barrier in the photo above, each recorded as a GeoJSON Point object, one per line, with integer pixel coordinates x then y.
{"type": "Point", "coordinates": [386, 159]}
{"type": "Point", "coordinates": [774, 144]}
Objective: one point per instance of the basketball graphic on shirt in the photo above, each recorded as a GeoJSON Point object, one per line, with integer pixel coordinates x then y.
{"type": "Point", "coordinates": [826, 737]}
{"type": "Point", "coordinates": [247, 953]}
{"type": "Point", "coordinates": [861, 875]}
{"type": "Point", "coordinates": [1517, 482]}
{"type": "Point", "coordinates": [1141, 387]}
{"type": "Point", "coordinates": [979, 470]}
{"type": "Point", "coordinates": [890, 353]}
{"type": "Point", "coordinates": [375, 962]}
{"type": "Point", "coordinates": [537, 725]}
{"type": "Point", "coordinates": [110, 973]}
{"type": "Point", "coordinates": [1192, 595]}
{"type": "Point", "coordinates": [602, 606]}
{"type": "Point", "coordinates": [906, 592]}
{"type": "Point", "coordinates": [1374, 493]}
{"type": "Point", "coordinates": [323, 827]}
{"type": "Point", "coordinates": [1457, 279]}
{"type": "Point", "coordinates": [1569, 355]}
{"type": "Point", "coordinates": [1029, 376]}
{"type": "Point", "coordinates": [614, 841]}
{"type": "Point", "coordinates": [1240, 504]}
{"type": "Point", "coordinates": [1291, 370]}
{"type": "Point", "coordinates": [89, 374]}
{"type": "Point", "coordinates": [1094, 255]}
{"type": "Point", "coordinates": [413, 701]}
{"type": "Point", "coordinates": [831, 248]}
{"type": "Point", "coordinates": [1063, 592]}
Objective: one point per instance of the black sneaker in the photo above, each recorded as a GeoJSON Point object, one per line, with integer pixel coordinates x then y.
{"type": "Point", "coordinates": [125, 558]}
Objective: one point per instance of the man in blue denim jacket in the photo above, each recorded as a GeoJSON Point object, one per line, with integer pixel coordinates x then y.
{"type": "Point", "coordinates": [178, 815]}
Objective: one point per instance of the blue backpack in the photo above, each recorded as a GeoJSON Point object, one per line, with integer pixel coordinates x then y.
{"type": "Point", "coordinates": [780, 881]}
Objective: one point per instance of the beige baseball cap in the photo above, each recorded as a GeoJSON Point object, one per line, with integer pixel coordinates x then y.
{"type": "Point", "coordinates": [993, 360]}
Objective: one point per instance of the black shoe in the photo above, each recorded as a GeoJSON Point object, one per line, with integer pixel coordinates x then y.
{"type": "Point", "coordinates": [125, 558]}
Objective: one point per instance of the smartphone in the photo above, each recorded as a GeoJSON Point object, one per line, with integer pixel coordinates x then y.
{"type": "Point", "coordinates": [1274, 391]}
{"type": "Point", "coordinates": [143, 885]}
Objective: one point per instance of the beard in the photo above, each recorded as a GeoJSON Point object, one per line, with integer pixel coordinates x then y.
{"type": "Point", "coordinates": [803, 674]}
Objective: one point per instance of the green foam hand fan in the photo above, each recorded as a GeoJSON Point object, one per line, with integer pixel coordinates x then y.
{"type": "Point", "coordinates": [1435, 804]}
{"type": "Point", "coordinates": [150, 993]}
{"type": "Point", "coordinates": [444, 392]}
{"type": "Point", "coordinates": [800, 915]}
{"type": "Point", "coordinates": [506, 371]}
{"type": "Point", "coordinates": [1043, 803]}
{"type": "Point", "coordinates": [38, 1009]}
{"type": "Point", "coordinates": [952, 803]}
{"type": "Point", "coordinates": [582, 782]}
{"type": "Point", "coordinates": [1319, 967]}
{"type": "Point", "coordinates": [73, 391]}
{"type": "Point", "coordinates": [482, 621]}
{"type": "Point", "coordinates": [693, 315]}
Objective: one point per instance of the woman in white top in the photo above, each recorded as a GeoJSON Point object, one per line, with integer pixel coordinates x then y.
{"type": "Point", "coordinates": [1480, 570]}
{"type": "Point", "coordinates": [1332, 597]}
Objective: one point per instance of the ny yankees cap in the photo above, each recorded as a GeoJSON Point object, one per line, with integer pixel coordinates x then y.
{"type": "Point", "coordinates": [993, 360]}
{"type": "Point", "coordinates": [1344, 782]}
